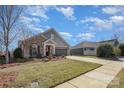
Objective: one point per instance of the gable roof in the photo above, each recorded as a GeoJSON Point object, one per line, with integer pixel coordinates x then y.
{"type": "Point", "coordinates": [86, 44]}
{"type": "Point", "coordinates": [32, 38]}
{"type": "Point", "coordinates": [42, 34]}
{"type": "Point", "coordinates": [55, 32]}
{"type": "Point", "coordinates": [96, 44]}
{"type": "Point", "coordinates": [111, 40]}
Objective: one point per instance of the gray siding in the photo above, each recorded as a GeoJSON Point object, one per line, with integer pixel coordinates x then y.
{"type": "Point", "coordinates": [57, 39]}
{"type": "Point", "coordinates": [90, 52]}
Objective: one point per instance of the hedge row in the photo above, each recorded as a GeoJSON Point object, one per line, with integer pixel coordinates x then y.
{"type": "Point", "coordinates": [108, 51]}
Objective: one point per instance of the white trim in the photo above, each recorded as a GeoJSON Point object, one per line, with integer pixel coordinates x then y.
{"type": "Point", "coordinates": [56, 33]}
{"type": "Point", "coordinates": [46, 43]}
{"type": "Point", "coordinates": [44, 48]}
{"type": "Point", "coordinates": [49, 40]}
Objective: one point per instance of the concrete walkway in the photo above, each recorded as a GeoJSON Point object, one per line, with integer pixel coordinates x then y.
{"type": "Point", "coordinates": [98, 78]}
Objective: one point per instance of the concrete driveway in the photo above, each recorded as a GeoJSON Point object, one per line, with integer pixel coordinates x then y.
{"type": "Point", "coordinates": [98, 78]}
{"type": "Point", "coordinates": [93, 60]}
{"type": "Point", "coordinates": [121, 58]}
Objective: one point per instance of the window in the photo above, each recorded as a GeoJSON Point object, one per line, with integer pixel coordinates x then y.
{"type": "Point", "coordinates": [34, 49]}
{"type": "Point", "coordinates": [85, 49]}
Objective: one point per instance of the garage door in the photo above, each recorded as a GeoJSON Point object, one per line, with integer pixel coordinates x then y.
{"type": "Point", "coordinates": [61, 52]}
{"type": "Point", "coordinates": [78, 51]}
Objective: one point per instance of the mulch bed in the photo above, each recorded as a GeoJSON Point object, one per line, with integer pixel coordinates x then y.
{"type": "Point", "coordinates": [7, 79]}
{"type": "Point", "coordinates": [54, 58]}
{"type": "Point", "coordinates": [9, 65]}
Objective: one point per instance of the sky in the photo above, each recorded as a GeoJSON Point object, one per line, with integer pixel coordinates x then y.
{"type": "Point", "coordinates": [76, 23]}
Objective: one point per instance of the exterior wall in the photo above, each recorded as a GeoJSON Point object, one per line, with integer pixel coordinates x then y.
{"type": "Point", "coordinates": [81, 51]}
{"type": "Point", "coordinates": [61, 48]}
{"type": "Point", "coordinates": [57, 39]}
{"type": "Point", "coordinates": [26, 45]}
{"type": "Point", "coordinates": [89, 52]}
{"type": "Point", "coordinates": [26, 53]}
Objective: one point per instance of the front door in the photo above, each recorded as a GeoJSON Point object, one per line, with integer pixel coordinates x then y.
{"type": "Point", "coordinates": [47, 50]}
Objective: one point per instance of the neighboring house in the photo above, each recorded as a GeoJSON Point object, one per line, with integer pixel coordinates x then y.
{"type": "Point", "coordinates": [44, 44]}
{"type": "Point", "coordinates": [113, 42]}
{"type": "Point", "coordinates": [85, 48]}
{"type": "Point", "coordinates": [90, 48]}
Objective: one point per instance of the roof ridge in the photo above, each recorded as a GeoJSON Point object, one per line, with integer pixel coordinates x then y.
{"type": "Point", "coordinates": [37, 35]}
{"type": "Point", "coordinates": [107, 40]}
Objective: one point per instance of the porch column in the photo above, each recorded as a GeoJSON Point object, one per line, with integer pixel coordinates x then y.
{"type": "Point", "coordinates": [68, 51]}
{"type": "Point", "coordinates": [53, 49]}
{"type": "Point", "coordinates": [44, 50]}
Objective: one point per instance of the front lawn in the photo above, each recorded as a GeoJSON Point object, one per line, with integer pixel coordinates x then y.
{"type": "Point", "coordinates": [118, 81]}
{"type": "Point", "coordinates": [48, 74]}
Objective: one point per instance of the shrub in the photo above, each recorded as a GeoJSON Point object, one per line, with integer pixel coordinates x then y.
{"type": "Point", "coordinates": [121, 47]}
{"type": "Point", "coordinates": [117, 51]}
{"type": "Point", "coordinates": [2, 61]}
{"type": "Point", "coordinates": [18, 53]}
{"type": "Point", "coordinates": [105, 51]}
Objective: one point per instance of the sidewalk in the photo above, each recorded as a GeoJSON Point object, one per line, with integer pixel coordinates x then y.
{"type": "Point", "coordinates": [98, 78]}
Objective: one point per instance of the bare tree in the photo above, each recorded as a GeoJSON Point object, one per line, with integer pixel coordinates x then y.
{"type": "Point", "coordinates": [115, 36]}
{"type": "Point", "coordinates": [25, 32]}
{"type": "Point", "coordinates": [1, 44]}
{"type": "Point", "coordinates": [119, 35]}
{"type": "Point", "coordinates": [8, 19]}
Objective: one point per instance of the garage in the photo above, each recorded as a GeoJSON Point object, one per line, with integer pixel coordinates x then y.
{"type": "Point", "coordinates": [78, 51]}
{"type": "Point", "coordinates": [60, 52]}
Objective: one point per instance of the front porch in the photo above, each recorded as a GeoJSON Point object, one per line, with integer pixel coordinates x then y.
{"type": "Point", "coordinates": [43, 49]}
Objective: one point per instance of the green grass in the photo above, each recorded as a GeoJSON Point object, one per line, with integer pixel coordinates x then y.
{"type": "Point", "coordinates": [50, 74]}
{"type": "Point", "coordinates": [118, 81]}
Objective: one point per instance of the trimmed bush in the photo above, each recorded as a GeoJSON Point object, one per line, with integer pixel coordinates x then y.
{"type": "Point", "coordinates": [121, 47]}
{"type": "Point", "coordinates": [2, 61]}
{"type": "Point", "coordinates": [105, 51]}
{"type": "Point", "coordinates": [18, 53]}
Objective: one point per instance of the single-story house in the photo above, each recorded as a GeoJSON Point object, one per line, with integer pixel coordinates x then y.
{"type": "Point", "coordinates": [46, 43]}
{"type": "Point", "coordinates": [90, 48]}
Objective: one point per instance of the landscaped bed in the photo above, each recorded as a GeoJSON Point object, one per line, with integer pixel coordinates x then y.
{"type": "Point", "coordinates": [44, 74]}
{"type": "Point", "coordinates": [118, 81]}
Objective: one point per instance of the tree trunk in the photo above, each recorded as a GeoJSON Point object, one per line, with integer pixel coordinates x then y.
{"type": "Point", "coordinates": [7, 55]}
